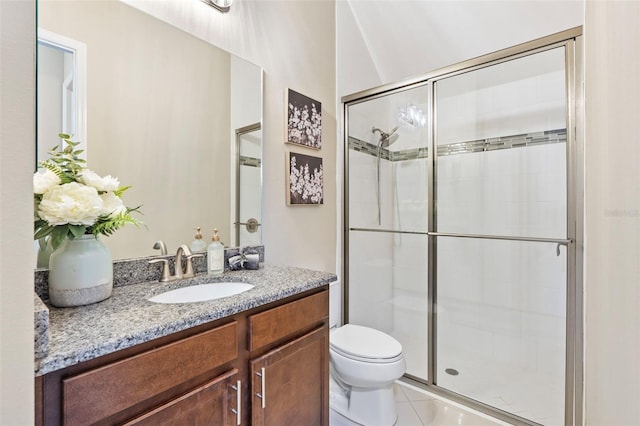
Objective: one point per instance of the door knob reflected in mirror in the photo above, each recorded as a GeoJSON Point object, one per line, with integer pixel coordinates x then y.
{"type": "Point", "coordinates": [251, 225]}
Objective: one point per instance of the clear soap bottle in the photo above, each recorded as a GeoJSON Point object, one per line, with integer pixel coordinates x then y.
{"type": "Point", "coordinates": [215, 255]}
{"type": "Point", "coordinates": [198, 244]}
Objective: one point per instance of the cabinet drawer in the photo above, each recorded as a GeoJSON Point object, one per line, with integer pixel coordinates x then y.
{"type": "Point", "coordinates": [287, 320]}
{"type": "Point", "coordinates": [100, 393]}
{"type": "Point", "coordinates": [209, 404]}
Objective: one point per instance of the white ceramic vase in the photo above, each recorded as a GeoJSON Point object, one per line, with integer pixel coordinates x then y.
{"type": "Point", "coordinates": [80, 272]}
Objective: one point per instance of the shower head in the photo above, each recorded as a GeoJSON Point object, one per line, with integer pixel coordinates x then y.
{"type": "Point", "coordinates": [386, 139]}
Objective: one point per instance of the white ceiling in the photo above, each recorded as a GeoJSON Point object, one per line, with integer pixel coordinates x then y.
{"type": "Point", "coordinates": [387, 41]}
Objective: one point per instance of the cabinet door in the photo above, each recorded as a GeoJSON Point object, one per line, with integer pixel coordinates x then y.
{"type": "Point", "coordinates": [290, 384]}
{"type": "Point", "coordinates": [214, 403]}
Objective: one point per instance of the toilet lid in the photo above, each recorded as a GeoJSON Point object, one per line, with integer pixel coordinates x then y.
{"type": "Point", "coordinates": [364, 342]}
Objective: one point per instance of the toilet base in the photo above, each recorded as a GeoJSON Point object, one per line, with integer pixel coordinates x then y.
{"type": "Point", "coordinates": [337, 419]}
{"type": "Point", "coordinates": [368, 407]}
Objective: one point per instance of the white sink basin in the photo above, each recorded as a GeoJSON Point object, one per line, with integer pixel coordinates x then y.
{"type": "Point", "coordinates": [201, 293]}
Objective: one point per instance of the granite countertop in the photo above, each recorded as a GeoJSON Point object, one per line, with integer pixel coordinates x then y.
{"type": "Point", "coordinates": [127, 318]}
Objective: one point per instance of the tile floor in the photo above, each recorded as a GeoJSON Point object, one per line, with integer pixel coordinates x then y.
{"type": "Point", "coordinates": [417, 407]}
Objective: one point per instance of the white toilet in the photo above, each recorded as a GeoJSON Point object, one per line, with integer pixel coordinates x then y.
{"type": "Point", "coordinates": [364, 363]}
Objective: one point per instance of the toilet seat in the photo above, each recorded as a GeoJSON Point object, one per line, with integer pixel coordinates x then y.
{"type": "Point", "coordinates": [365, 344]}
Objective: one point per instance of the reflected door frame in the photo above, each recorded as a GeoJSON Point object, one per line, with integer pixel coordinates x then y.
{"type": "Point", "coordinates": [78, 51]}
{"type": "Point", "coordinates": [239, 221]}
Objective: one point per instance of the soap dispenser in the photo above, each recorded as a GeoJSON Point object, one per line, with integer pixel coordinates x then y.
{"type": "Point", "coordinates": [215, 255]}
{"type": "Point", "coordinates": [198, 244]}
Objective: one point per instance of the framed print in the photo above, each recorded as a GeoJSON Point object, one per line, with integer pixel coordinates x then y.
{"type": "Point", "coordinates": [304, 120]}
{"type": "Point", "coordinates": [304, 179]}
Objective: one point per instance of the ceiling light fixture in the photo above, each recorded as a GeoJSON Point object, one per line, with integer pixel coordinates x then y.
{"type": "Point", "coordinates": [222, 5]}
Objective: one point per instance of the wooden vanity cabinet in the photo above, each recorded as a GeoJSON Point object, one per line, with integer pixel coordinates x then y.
{"type": "Point", "coordinates": [163, 375]}
{"type": "Point", "coordinates": [287, 386]}
{"type": "Point", "coordinates": [265, 366]}
{"type": "Point", "coordinates": [289, 366]}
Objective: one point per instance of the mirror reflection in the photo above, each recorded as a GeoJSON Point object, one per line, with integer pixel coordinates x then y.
{"type": "Point", "coordinates": [248, 230]}
{"type": "Point", "coordinates": [162, 114]}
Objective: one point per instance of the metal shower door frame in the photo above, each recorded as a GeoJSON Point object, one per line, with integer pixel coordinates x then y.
{"type": "Point", "coordinates": [572, 42]}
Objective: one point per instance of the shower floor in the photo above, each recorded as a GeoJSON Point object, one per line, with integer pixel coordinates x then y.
{"type": "Point", "coordinates": [527, 394]}
{"type": "Point", "coordinates": [524, 393]}
{"type": "Point", "coordinates": [496, 363]}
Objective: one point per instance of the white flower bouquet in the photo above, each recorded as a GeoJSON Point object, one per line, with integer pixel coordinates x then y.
{"type": "Point", "coordinates": [71, 200]}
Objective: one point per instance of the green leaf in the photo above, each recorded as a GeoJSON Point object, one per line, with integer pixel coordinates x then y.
{"type": "Point", "coordinates": [77, 230]}
{"type": "Point", "coordinates": [134, 209]}
{"type": "Point", "coordinates": [107, 226]}
{"type": "Point", "coordinates": [118, 192]}
{"type": "Point", "coordinates": [42, 229]}
{"type": "Point", "coordinates": [58, 235]}
{"type": "Point", "coordinates": [64, 136]}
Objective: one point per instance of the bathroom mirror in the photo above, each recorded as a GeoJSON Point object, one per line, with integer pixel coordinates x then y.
{"type": "Point", "coordinates": [162, 112]}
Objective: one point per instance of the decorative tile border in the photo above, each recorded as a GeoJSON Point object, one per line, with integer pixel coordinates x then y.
{"type": "Point", "coordinates": [410, 154]}
{"type": "Point", "coordinates": [387, 154]}
{"type": "Point", "coordinates": [480, 145]}
{"type": "Point", "coordinates": [367, 148]}
{"type": "Point", "coordinates": [505, 142]}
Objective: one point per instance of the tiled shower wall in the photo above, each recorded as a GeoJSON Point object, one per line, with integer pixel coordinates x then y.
{"type": "Point", "coordinates": [512, 293]}
{"type": "Point", "coordinates": [410, 259]}
{"type": "Point", "coordinates": [387, 271]}
{"type": "Point", "coordinates": [370, 253]}
{"type": "Point", "coordinates": [508, 298]}
{"type": "Point", "coordinates": [502, 303]}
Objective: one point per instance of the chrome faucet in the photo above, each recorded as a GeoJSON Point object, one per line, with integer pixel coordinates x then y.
{"type": "Point", "coordinates": [180, 273]}
{"type": "Point", "coordinates": [160, 245]}
{"type": "Point", "coordinates": [183, 250]}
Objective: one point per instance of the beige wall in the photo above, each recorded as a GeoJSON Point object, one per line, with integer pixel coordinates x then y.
{"type": "Point", "coordinates": [294, 41]}
{"type": "Point", "coordinates": [158, 111]}
{"type": "Point", "coordinates": [17, 153]}
{"type": "Point", "coordinates": [612, 276]}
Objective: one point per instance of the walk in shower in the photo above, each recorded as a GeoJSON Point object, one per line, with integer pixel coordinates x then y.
{"type": "Point", "coordinates": [462, 226]}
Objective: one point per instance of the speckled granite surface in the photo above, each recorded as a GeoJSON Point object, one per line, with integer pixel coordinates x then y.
{"type": "Point", "coordinates": [127, 318]}
{"type": "Point", "coordinates": [41, 326]}
{"type": "Point", "coordinates": [131, 271]}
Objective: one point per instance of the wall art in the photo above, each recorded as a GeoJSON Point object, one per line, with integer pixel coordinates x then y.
{"type": "Point", "coordinates": [304, 120]}
{"type": "Point", "coordinates": [304, 179]}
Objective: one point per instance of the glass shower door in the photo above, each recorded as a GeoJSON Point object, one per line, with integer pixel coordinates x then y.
{"type": "Point", "coordinates": [386, 236]}
{"type": "Point", "coordinates": [501, 234]}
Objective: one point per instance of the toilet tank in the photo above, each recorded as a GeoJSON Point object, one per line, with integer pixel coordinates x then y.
{"type": "Point", "coordinates": [335, 304]}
